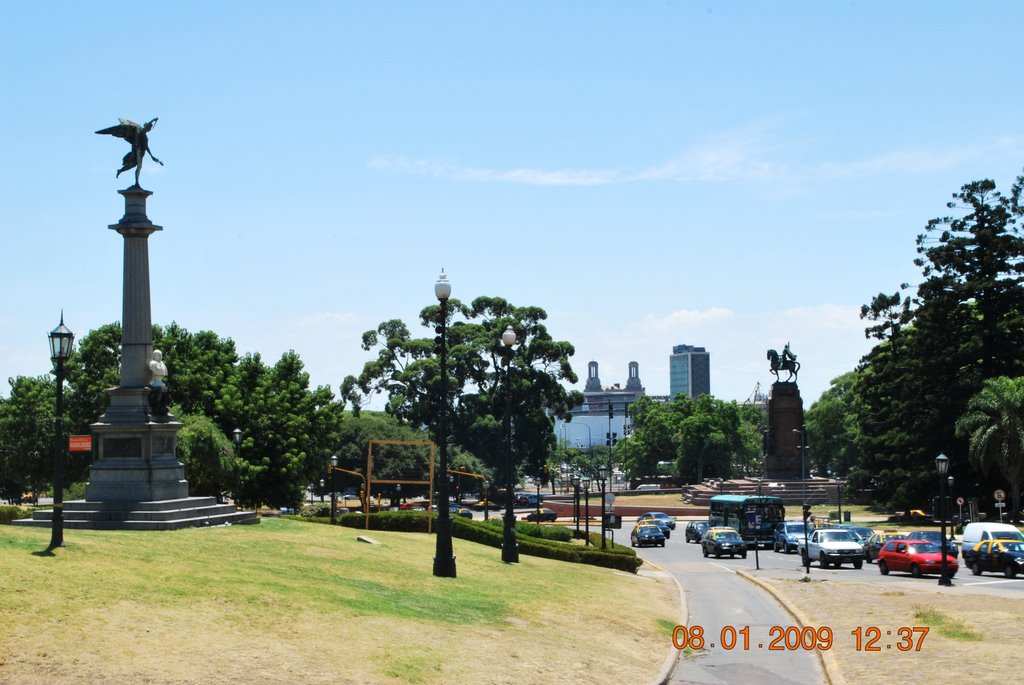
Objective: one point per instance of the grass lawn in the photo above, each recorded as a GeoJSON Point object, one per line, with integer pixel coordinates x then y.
{"type": "Point", "coordinates": [287, 601]}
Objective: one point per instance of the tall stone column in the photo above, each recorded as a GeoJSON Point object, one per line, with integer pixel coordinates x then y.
{"type": "Point", "coordinates": [135, 447]}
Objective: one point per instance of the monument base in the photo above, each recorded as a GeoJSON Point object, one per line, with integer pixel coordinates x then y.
{"type": "Point", "coordinates": [785, 421]}
{"type": "Point", "coordinates": [189, 512]}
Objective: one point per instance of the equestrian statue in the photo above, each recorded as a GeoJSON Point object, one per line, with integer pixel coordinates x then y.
{"type": "Point", "coordinates": [787, 362]}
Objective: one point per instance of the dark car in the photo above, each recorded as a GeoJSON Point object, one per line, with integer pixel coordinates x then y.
{"type": "Point", "coordinates": [936, 537]}
{"type": "Point", "coordinates": [917, 557]}
{"type": "Point", "coordinates": [542, 515]}
{"type": "Point", "coordinates": [695, 530]}
{"type": "Point", "coordinates": [647, 518]}
{"type": "Point", "coordinates": [877, 539]}
{"type": "Point", "coordinates": [462, 511]}
{"type": "Point", "coordinates": [787, 535]}
{"type": "Point", "coordinates": [646, 534]}
{"type": "Point", "coordinates": [996, 555]}
{"type": "Point", "coordinates": [719, 541]}
{"type": "Point", "coordinates": [662, 517]}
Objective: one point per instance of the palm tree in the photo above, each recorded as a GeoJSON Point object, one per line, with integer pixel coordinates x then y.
{"type": "Point", "coordinates": [994, 425]}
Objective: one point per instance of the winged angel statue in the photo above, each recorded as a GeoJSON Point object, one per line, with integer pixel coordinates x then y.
{"type": "Point", "coordinates": [138, 136]}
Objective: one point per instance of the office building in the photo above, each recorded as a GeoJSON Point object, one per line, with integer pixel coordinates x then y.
{"type": "Point", "coordinates": [689, 371]}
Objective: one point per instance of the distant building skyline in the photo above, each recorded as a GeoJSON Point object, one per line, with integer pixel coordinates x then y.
{"type": "Point", "coordinates": [689, 369]}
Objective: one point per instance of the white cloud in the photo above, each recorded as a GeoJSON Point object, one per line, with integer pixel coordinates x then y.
{"type": "Point", "coordinates": [325, 319]}
{"type": "Point", "coordinates": [683, 319]}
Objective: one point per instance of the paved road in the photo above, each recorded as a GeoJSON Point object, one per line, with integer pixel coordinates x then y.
{"type": "Point", "coordinates": [719, 602]}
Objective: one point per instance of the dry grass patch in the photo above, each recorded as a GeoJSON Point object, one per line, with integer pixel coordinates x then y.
{"type": "Point", "coordinates": [293, 602]}
{"type": "Point", "coordinates": [972, 634]}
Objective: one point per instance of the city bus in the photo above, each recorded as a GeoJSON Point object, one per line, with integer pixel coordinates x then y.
{"type": "Point", "coordinates": [752, 516]}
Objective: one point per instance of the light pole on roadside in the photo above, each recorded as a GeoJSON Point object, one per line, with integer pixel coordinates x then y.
{"type": "Point", "coordinates": [236, 437]}
{"type": "Point", "coordinates": [602, 479]}
{"type": "Point", "coordinates": [509, 546]}
{"type": "Point", "coordinates": [586, 514]}
{"type": "Point", "coordinates": [803, 496]}
{"type": "Point", "coordinates": [942, 466]}
{"type": "Point", "coordinates": [334, 490]}
{"type": "Point", "coordinates": [444, 555]}
{"type": "Point", "coordinates": [61, 342]}
{"type": "Point", "coordinates": [576, 501]}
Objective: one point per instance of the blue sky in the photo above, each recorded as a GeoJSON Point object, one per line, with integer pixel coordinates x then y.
{"type": "Point", "coordinates": [731, 175]}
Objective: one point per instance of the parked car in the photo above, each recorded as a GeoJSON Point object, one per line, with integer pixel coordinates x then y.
{"type": "Point", "coordinates": [981, 531]}
{"type": "Point", "coordinates": [916, 557]}
{"type": "Point", "coordinates": [544, 514]}
{"type": "Point", "coordinates": [936, 537]}
{"type": "Point", "coordinates": [786, 536]}
{"type": "Point", "coordinates": [695, 531]}
{"type": "Point", "coordinates": [663, 516]}
{"type": "Point", "coordinates": [464, 512]}
{"type": "Point", "coordinates": [647, 518]}
{"type": "Point", "coordinates": [1006, 556]}
{"type": "Point", "coordinates": [719, 541]}
{"type": "Point", "coordinates": [488, 504]}
{"type": "Point", "coordinates": [879, 538]}
{"type": "Point", "coordinates": [646, 534]}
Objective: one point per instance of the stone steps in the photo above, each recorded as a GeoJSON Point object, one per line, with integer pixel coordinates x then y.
{"type": "Point", "coordinates": [156, 515]}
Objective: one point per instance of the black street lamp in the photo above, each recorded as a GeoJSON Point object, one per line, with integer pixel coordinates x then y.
{"type": "Point", "coordinates": [602, 479]}
{"type": "Point", "coordinates": [61, 342]}
{"type": "Point", "coordinates": [586, 496]}
{"type": "Point", "coordinates": [942, 466]}
{"type": "Point", "coordinates": [321, 490]}
{"type": "Point", "coordinates": [576, 501]}
{"type": "Point", "coordinates": [487, 496]}
{"type": "Point", "coordinates": [444, 556]}
{"type": "Point", "coordinates": [236, 437]}
{"type": "Point", "coordinates": [509, 546]}
{"type": "Point", "coordinates": [803, 495]}
{"type": "Point", "coordinates": [334, 490]}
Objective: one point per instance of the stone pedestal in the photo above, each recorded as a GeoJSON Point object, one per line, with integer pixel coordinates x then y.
{"type": "Point", "coordinates": [785, 414]}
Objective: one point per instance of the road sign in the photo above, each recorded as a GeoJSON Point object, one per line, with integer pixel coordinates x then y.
{"type": "Point", "coordinates": [1000, 495]}
{"type": "Point", "coordinates": [1000, 505]}
{"type": "Point", "coordinates": [79, 443]}
{"type": "Point", "coordinates": [960, 501]}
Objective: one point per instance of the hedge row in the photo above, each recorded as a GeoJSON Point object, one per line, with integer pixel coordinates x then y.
{"type": "Point", "coordinates": [617, 557]}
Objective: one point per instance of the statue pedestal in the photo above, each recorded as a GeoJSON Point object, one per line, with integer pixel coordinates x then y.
{"type": "Point", "coordinates": [785, 415]}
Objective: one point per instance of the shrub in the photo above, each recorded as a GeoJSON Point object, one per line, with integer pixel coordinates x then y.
{"type": "Point", "coordinates": [10, 513]}
{"type": "Point", "coordinates": [617, 557]}
{"type": "Point", "coordinates": [316, 510]}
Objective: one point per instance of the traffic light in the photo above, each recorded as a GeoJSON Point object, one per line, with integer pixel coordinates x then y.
{"type": "Point", "coordinates": [611, 411]}
{"type": "Point", "coordinates": [807, 512]}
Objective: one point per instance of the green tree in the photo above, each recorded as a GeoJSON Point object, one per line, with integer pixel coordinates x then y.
{"type": "Point", "coordinates": [994, 428]}
{"type": "Point", "coordinates": [406, 370]}
{"type": "Point", "coordinates": [198, 365]}
{"type": "Point", "coordinates": [208, 455]}
{"type": "Point", "coordinates": [936, 350]}
{"type": "Point", "coordinates": [289, 431]}
{"type": "Point", "coordinates": [832, 428]}
{"type": "Point", "coordinates": [26, 436]}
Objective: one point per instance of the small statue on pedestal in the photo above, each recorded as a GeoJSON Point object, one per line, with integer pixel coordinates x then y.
{"type": "Point", "coordinates": [159, 397]}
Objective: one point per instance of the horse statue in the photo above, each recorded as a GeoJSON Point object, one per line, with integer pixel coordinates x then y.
{"type": "Point", "coordinates": [787, 362]}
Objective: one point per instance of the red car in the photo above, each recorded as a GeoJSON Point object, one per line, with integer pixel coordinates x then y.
{"type": "Point", "coordinates": [916, 557]}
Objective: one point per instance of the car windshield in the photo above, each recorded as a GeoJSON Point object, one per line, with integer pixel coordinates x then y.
{"type": "Point", "coordinates": [1013, 546]}
{"type": "Point", "coordinates": [794, 528]}
{"type": "Point", "coordinates": [648, 530]}
{"type": "Point", "coordinates": [836, 536]}
{"type": "Point", "coordinates": [1007, 535]}
{"type": "Point", "coordinates": [924, 548]}
{"type": "Point", "coordinates": [728, 535]}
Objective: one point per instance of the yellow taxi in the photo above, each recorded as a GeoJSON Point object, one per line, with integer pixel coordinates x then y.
{"type": "Point", "coordinates": [879, 538]}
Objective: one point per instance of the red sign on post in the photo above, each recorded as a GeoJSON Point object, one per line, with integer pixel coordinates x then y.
{"type": "Point", "coordinates": [80, 443]}
{"type": "Point", "coordinates": [1000, 495]}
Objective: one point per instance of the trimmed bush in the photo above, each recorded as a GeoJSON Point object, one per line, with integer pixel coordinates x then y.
{"type": "Point", "coordinates": [617, 557]}
{"type": "Point", "coordinates": [10, 513]}
{"type": "Point", "coordinates": [316, 510]}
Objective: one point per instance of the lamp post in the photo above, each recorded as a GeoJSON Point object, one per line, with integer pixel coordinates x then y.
{"type": "Point", "coordinates": [576, 501]}
{"type": "Point", "coordinates": [444, 557]}
{"type": "Point", "coordinates": [334, 490]}
{"type": "Point", "coordinates": [487, 496]}
{"type": "Point", "coordinates": [611, 439]}
{"type": "Point", "coordinates": [321, 490]}
{"type": "Point", "coordinates": [942, 466]}
{"type": "Point", "coordinates": [236, 437]}
{"type": "Point", "coordinates": [602, 479]}
{"type": "Point", "coordinates": [803, 495]}
{"type": "Point", "coordinates": [509, 547]}
{"type": "Point", "coordinates": [586, 496]}
{"type": "Point", "coordinates": [61, 342]}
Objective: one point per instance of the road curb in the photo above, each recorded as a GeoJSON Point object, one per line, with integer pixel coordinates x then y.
{"type": "Point", "coordinates": [828, 662]}
{"type": "Point", "coordinates": [668, 666]}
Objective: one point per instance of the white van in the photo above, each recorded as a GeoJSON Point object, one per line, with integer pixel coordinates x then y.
{"type": "Point", "coordinates": [979, 532]}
